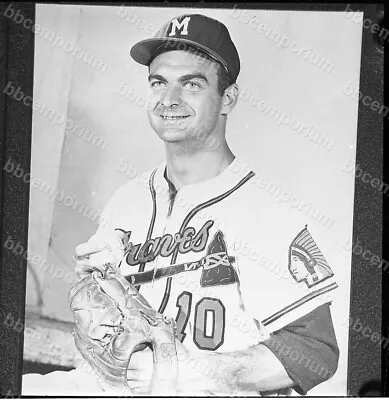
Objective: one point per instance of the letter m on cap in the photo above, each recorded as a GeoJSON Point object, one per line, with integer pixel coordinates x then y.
{"type": "Point", "coordinates": [183, 26]}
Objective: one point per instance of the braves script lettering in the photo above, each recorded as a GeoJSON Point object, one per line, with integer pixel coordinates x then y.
{"type": "Point", "coordinates": [186, 241]}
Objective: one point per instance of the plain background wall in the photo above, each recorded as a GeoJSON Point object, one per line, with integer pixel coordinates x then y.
{"type": "Point", "coordinates": [52, 81]}
{"type": "Point", "coordinates": [113, 129]}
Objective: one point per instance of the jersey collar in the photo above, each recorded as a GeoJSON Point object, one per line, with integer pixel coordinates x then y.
{"type": "Point", "coordinates": [210, 188]}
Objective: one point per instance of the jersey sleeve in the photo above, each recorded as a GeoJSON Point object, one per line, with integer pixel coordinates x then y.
{"type": "Point", "coordinates": [285, 276]}
{"type": "Point", "coordinates": [119, 203]}
{"type": "Point", "coordinates": [108, 216]}
{"type": "Point", "coordinates": [307, 348]}
{"type": "Point", "coordinates": [124, 203]}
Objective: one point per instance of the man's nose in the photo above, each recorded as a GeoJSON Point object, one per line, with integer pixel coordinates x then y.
{"type": "Point", "coordinates": [171, 97]}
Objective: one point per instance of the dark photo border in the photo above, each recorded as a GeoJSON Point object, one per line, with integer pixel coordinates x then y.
{"type": "Point", "coordinates": [366, 358]}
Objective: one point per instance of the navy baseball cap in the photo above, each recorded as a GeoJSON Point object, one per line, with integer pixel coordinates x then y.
{"type": "Point", "coordinates": [195, 30]}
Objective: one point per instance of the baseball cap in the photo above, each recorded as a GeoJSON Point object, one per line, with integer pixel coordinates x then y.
{"type": "Point", "coordinates": [195, 30]}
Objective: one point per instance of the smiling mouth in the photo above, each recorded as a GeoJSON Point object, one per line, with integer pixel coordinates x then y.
{"type": "Point", "coordinates": [173, 117]}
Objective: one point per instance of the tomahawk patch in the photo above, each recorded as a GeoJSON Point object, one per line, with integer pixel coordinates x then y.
{"type": "Point", "coordinates": [218, 269]}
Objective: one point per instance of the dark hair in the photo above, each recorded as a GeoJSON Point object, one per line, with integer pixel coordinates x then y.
{"type": "Point", "coordinates": [224, 78]}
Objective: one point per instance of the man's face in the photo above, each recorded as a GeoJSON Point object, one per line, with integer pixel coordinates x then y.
{"type": "Point", "coordinates": [184, 104]}
{"type": "Point", "coordinates": [298, 268]}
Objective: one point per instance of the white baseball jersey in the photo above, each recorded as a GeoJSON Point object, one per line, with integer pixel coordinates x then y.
{"type": "Point", "coordinates": [222, 257]}
{"type": "Point", "coordinates": [225, 259]}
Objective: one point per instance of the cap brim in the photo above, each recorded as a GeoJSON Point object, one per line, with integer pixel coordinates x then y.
{"type": "Point", "coordinates": [143, 51]}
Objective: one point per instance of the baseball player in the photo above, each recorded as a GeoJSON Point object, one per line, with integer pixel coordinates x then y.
{"type": "Point", "coordinates": [242, 276]}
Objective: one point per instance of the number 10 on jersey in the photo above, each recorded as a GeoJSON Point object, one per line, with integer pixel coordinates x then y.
{"type": "Point", "coordinates": [209, 321]}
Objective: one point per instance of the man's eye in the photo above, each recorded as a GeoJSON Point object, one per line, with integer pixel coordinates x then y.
{"type": "Point", "coordinates": [192, 85]}
{"type": "Point", "coordinates": [156, 84]}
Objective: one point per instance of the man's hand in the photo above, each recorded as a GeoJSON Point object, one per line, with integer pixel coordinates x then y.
{"type": "Point", "coordinates": [192, 373]}
{"type": "Point", "coordinates": [246, 372]}
{"type": "Point", "coordinates": [112, 318]}
{"type": "Point", "coordinates": [98, 251]}
{"type": "Point", "coordinates": [140, 371]}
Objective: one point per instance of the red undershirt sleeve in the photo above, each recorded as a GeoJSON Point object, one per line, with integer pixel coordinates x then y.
{"type": "Point", "coordinates": [307, 348]}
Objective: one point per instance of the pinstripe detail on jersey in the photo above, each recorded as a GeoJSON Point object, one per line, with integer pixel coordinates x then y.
{"type": "Point", "coordinates": [153, 216]}
{"type": "Point", "coordinates": [299, 303]}
{"type": "Point", "coordinates": [185, 223]}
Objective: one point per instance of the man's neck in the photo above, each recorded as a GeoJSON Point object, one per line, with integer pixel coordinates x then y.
{"type": "Point", "coordinates": [185, 169]}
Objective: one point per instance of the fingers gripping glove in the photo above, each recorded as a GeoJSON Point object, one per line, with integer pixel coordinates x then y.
{"type": "Point", "coordinates": [112, 321]}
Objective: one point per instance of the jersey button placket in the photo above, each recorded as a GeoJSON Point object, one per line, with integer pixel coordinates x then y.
{"type": "Point", "coordinates": [166, 215]}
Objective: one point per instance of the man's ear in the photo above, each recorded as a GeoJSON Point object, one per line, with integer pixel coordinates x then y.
{"type": "Point", "coordinates": [230, 98]}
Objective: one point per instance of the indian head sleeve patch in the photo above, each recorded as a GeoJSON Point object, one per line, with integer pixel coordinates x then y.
{"type": "Point", "coordinates": [306, 261]}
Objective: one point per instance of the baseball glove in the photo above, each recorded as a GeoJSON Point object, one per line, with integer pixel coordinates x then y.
{"type": "Point", "coordinates": [112, 321]}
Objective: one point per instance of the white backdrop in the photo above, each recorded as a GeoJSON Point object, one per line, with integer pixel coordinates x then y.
{"type": "Point", "coordinates": [299, 65]}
